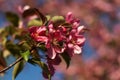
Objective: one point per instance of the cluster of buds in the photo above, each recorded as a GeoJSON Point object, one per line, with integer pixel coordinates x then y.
{"type": "Point", "coordinates": [65, 38]}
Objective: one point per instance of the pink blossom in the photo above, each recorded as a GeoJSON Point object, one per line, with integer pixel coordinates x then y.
{"type": "Point", "coordinates": [38, 33]}
{"type": "Point", "coordinates": [75, 41]}
{"type": "Point", "coordinates": [55, 39]}
{"type": "Point", "coordinates": [70, 19]}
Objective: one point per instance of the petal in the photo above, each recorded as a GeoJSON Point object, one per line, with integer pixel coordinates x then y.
{"type": "Point", "coordinates": [41, 39]}
{"type": "Point", "coordinates": [70, 38]}
{"type": "Point", "coordinates": [57, 60]}
{"type": "Point", "coordinates": [70, 49]}
{"type": "Point", "coordinates": [51, 30]}
{"type": "Point", "coordinates": [76, 24]}
{"type": "Point", "coordinates": [70, 45]}
{"type": "Point", "coordinates": [77, 49]}
{"type": "Point", "coordinates": [33, 29]}
{"type": "Point", "coordinates": [69, 17]}
{"type": "Point", "coordinates": [41, 29]}
{"type": "Point", "coordinates": [59, 49]}
{"type": "Point", "coordinates": [80, 28]}
{"type": "Point", "coordinates": [80, 40]}
{"type": "Point", "coordinates": [51, 53]}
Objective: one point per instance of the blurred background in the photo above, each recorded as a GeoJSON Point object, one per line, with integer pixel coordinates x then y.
{"type": "Point", "coordinates": [100, 59]}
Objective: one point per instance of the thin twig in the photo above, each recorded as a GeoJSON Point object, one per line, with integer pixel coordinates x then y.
{"type": "Point", "coordinates": [11, 65]}
{"type": "Point", "coordinates": [18, 60]}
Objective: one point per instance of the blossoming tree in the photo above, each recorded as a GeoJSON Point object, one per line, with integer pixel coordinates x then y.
{"type": "Point", "coordinates": [57, 37]}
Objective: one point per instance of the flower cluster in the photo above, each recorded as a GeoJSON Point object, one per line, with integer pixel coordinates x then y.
{"type": "Point", "coordinates": [66, 38]}
{"type": "Point", "coordinates": [60, 38]}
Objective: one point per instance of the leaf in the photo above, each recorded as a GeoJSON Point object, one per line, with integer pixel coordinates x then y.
{"type": "Point", "coordinates": [13, 18]}
{"type": "Point", "coordinates": [4, 40]}
{"type": "Point", "coordinates": [43, 66]}
{"type": "Point", "coordinates": [48, 17]}
{"type": "Point", "coordinates": [24, 46]}
{"type": "Point", "coordinates": [13, 48]}
{"type": "Point", "coordinates": [42, 47]}
{"type": "Point", "coordinates": [17, 69]}
{"type": "Point", "coordinates": [6, 53]}
{"type": "Point", "coordinates": [34, 23]}
{"type": "Point", "coordinates": [1, 30]}
{"type": "Point", "coordinates": [10, 30]}
{"type": "Point", "coordinates": [31, 62]}
{"type": "Point", "coordinates": [33, 11]}
{"type": "Point", "coordinates": [45, 69]}
{"type": "Point", "coordinates": [67, 25]}
{"type": "Point", "coordinates": [58, 20]}
{"type": "Point", "coordinates": [66, 58]}
{"type": "Point", "coordinates": [26, 55]}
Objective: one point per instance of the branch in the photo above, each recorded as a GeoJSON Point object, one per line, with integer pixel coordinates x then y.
{"type": "Point", "coordinates": [18, 60]}
{"type": "Point", "coordinates": [11, 65]}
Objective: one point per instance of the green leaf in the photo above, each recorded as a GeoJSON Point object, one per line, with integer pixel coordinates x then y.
{"type": "Point", "coordinates": [58, 20]}
{"type": "Point", "coordinates": [45, 69]}
{"type": "Point", "coordinates": [4, 40]}
{"type": "Point", "coordinates": [10, 30]}
{"type": "Point", "coordinates": [34, 23]}
{"type": "Point", "coordinates": [42, 47]}
{"type": "Point", "coordinates": [43, 66]}
{"type": "Point", "coordinates": [13, 18]}
{"type": "Point", "coordinates": [26, 55]}
{"type": "Point", "coordinates": [24, 46]}
{"type": "Point", "coordinates": [31, 62]}
{"type": "Point", "coordinates": [66, 58]}
{"type": "Point", "coordinates": [13, 48]}
{"type": "Point", "coordinates": [48, 17]}
{"type": "Point", "coordinates": [17, 69]}
{"type": "Point", "coordinates": [67, 25]}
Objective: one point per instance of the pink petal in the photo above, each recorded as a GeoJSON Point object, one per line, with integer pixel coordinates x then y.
{"type": "Point", "coordinates": [79, 29]}
{"type": "Point", "coordinates": [59, 49]}
{"type": "Point", "coordinates": [51, 53]}
{"type": "Point", "coordinates": [41, 29]}
{"type": "Point", "coordinates": [57, 60]}
{"type": "Point", "coordinates": [51, 30]}
{"type": "Point", "coordinates": [33, 29]}
{"type": "Point", "coordinates": [77, 49]}
{"type": "Point", "coordinates": [69, 17]}
{"type": "Point", "coordinates": [80, 40]}
{"type": "Point", "coordinates": [70, 45]}
{"type": "Point", "coordinates": [76, 24]}
{"type": "Point", "coordinates": [41, 38]}
{"type": "Point", "coordinates": [70, 49]}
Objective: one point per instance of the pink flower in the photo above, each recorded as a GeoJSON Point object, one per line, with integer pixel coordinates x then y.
{"type": "Point", "coordinates": [55, 43]}
{"type": "Point", "coordinates": [70, 19]}
{"type": "Point", "coordinates": [52, 38]}
{"type": "Point", "coordinates": [75, 41]}
{"type": "Point", "coordinates": [57, 39]}
{"type": "Point", "coordinates": [38, 33]}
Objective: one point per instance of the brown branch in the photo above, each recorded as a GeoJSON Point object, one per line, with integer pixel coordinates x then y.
{"type": "Point", "coordinates": [11, 65]}
{"type": "Point", "coordinates": [18, 60]}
